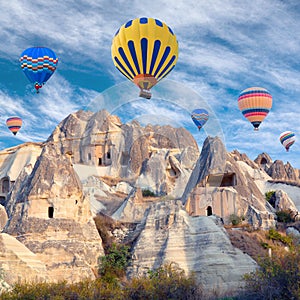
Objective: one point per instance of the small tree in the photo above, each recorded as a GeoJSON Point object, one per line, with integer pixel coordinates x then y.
{"type": "Point", "coordinates": [113, 265]}
{"type": "Point", "coordinates": [270, 197]}
{"type": "Point", "coordinates": [235, 219]}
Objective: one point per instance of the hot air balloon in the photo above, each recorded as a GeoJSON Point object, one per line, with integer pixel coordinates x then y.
{"type": "Point", "coordinates": [199, 117]}
{"type": "Point", "coordinates": [145, 50]}
{"type": "Point", "coordinates": [14, 124]}
{"type": "Point", "coordinates": [255, 103]}
{"type": "Point", "coordinates": [38, 64]}
{"type": "Point", "coordinates": [287, 139]}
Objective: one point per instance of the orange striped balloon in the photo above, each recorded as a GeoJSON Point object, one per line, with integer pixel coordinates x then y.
{"type": "Point", "coordinates": [14, 124]}
{"type": "Point", "coordinates": [255, 104]}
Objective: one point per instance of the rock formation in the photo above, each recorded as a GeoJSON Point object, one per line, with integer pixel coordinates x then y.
{"type": "Point", "coordinates": [221, 184]}
{"type": "Point", "coordinates": [93, 163]}
{"type": "Point", "coordinates": [50, 215]}
{"type": "Point", "coordinates": [196, 244]}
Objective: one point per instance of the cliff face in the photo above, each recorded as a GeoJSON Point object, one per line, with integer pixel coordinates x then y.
{"type": "Point", "coordinates": [158, 158]}
{"type": "Point", "coordinates": [196, 244]}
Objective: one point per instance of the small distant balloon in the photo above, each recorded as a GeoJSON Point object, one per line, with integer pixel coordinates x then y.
{"type": "Point", "coordinates": [199, 117]}
{"type": "Point", "coordinates": [145, 50]}
{"type": "Point", "coordinates": [38, 64]}
{"type": "Point", "coordinates": [287, 139]}
{"type": "Point", "coordinates": [255, 104]}
{"type": "Point", "coordinates": [14, 124]}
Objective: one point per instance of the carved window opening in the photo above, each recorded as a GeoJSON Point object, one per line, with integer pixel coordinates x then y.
{"type": "Point", "coordinates": [209, 211]}
{"type": "Point", "coordinates": [89, 156]}
{"type": "Point", "coordinates": [50, 212]}
{"type": "Point", "coordinates": [2, 201]}
{"type": "Point", "coordinates": [229, 179]}
{"type": "Point", "coordinates": [108, 155]}
{"type": "Point", "coordinates": [100, 161]}
{"type": "Point", "coordinates": [5, 185]}
{"type": "Point", "coordinates": [76, 201]}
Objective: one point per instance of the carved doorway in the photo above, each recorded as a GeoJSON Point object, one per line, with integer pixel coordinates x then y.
{"type": "Point", "coordinates": [209, 211]}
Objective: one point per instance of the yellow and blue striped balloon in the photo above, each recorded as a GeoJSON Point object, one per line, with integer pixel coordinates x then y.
{"type": "Point", "coordinates": [145, 50]}
{"type": "Point", "coordinates": [255, 104]}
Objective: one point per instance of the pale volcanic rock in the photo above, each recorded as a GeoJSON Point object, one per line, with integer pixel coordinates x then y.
{"type": "Point", "coordinates": [18, 263]}
{"type": "Point", "coordinates": [50, 215]}
{"type": "Point", "coordinates": [196, 244]}
{"type": "Point", "coordinates": [3, 217]}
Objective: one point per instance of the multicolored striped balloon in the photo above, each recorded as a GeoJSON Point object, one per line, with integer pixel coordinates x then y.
{"type": "Point", "coordinates": [287, 139]}
{"type": "Point", "coordinates": [255, 103]}
{"type": "Point", "coordinates": [14, 124]}
{"type": "Point", "coordinates": [38, 64]}
{"type": "Point", "coordinates": [144, 50]}
{"type": "Point", "coordinates": [199, 117]}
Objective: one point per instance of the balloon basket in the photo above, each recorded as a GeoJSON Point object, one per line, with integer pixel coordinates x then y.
{"type": "Point", "coordinates": [145, 94]}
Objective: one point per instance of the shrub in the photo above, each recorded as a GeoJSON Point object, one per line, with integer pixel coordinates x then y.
{"type": "Point", "coordinates": [270, 197]}
{"type": "Point", "coordinates": [113, 265]}
{"type": "Point", "coordinates": [276, 278]}
{"type": "Point", "coordinates": [148, 193]}
{"type": "Point", "coordinates": [274, 235]}
{"type": "Point", "coordinates": [284, 216]}
{"type": "Point", "coordinates": [235, 219]}
{"type": "Point", "coordinates": [166, 282]}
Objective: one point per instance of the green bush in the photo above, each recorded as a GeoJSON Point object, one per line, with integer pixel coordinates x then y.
{"type": "Point", "coordinates": [167, 282]}
{"type": "Point", "coordinates": [235, 219]}
{"type": "Point", "coordinates": [113, 265]}
{"type": "Point", "coordinates": [274, 235]}
{"type": "Point", "coordinates": [148, 193]}
{"type": "Point", "coordinates": [270, 197]}
{"type": "Point", "coordinates": [284, 216]}
{"type": "Point", "coordinates": [276, 278]}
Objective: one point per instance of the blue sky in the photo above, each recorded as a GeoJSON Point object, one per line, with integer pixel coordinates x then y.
{"type": "Point", "coordinates": [225, 46]}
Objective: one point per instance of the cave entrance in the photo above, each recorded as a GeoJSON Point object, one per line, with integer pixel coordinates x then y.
{"type": "Point", "coordinates": [209, 211]}
{"type": "Point", "coordinates": [50, 212]}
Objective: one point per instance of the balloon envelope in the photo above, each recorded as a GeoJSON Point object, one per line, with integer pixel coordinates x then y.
{"type": "Point", "coordinates": [144, 50]}
{"type": "Point", "coordinates": [38, 64]}
{"type": "Point", "coordinates": [287, 139]}
{"type": "Point", "coordinates": [199, 117]}
{"type": "Point", "coordinates": [14, 124]}
{"type": "Point", "coordinates": [255, 104]}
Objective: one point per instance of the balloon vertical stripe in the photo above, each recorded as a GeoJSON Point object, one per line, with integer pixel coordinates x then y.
{"type": "Point", "coordinates": [122, 53]}
{"type": "Point", "coordinates": [122, 69]}
{"type": "Point", "coordinates": [144, 48]}
{"type": "Point", "coordinates": [162, 61]}
{"type": "Point", "coordinates": [154, 55]}
{"type": "Point", "coordinates": [133, 55]}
